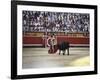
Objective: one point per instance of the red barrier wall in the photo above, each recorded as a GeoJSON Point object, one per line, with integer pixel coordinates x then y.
{"type": "Point", "coordinates": [71, 40]}
{"type": "Point", "coordinates": [74, 40]}
{"type": "Point", "coordinates": [32, 40]}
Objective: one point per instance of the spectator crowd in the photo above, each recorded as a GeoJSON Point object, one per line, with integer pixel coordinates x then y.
{"type": "Point", "coordinates": [41, 21]}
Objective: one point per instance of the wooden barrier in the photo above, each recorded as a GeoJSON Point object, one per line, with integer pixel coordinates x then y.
{"type": "Point", "coordinates": [72, 38]}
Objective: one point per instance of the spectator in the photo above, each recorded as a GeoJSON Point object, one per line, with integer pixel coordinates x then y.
{"type": "Point", "coordinates": [55, 21]}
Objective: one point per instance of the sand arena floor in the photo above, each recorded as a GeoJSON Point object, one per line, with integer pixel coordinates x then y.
{"type": "Point", "coordinates": [39, 58]}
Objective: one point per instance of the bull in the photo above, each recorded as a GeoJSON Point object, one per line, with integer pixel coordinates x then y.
{"type": "Point", "coordinates": [63, 46]}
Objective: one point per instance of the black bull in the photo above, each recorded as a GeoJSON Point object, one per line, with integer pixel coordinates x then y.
{"type": "Point", "coordinates": [62, 47]}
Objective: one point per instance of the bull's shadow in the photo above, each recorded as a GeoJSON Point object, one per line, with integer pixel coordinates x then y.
{"type": "Point", "coordinates": [62, 46]}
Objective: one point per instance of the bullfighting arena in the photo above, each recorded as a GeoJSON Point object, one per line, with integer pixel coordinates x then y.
{"type": "Point", "coordinates": [44, 28]}
{"type": "Point", "coordinates": [40, 58]}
